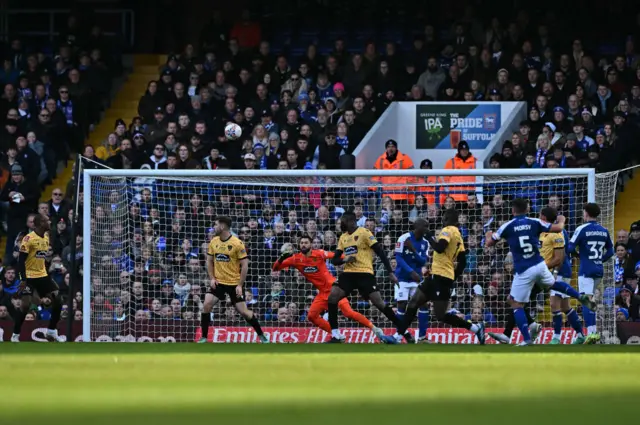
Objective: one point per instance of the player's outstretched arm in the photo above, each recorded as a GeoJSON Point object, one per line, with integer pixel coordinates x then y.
{"type": "Point", "coordinates": [558, 226]}
{"type": "Point", "coordinates": [489, 239]}
{"type": "Point", "coordinates": [283, 262]}
{"type": "Point", "coordinates": [438, 246]}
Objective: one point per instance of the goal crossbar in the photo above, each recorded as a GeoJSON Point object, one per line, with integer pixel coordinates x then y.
{"type": "Point", "coordinates": [480, 172]}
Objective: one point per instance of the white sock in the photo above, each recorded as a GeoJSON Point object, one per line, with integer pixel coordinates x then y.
{"type": "Point", "coordinates": [556, 336]}
{"type": "Point", "coordinates": [335, 333]}
{"type": "Point", "coordinates": [474, 328]}
{"type": "Point", "coordinates": [51, 331]}
{"type": "Point", "coordinates": [16, 334]}
{"type": "Point", "coordinates": [591, 330]}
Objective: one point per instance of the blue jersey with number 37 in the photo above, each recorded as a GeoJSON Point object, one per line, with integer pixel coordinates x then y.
{"type": "Point", "coordinates": [594, 246]}
{"type": "Point", "coordinates": [523, 237]}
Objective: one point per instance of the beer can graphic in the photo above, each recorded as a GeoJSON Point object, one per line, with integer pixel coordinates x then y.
{"type": "Point", "coordinates": [454, 137]}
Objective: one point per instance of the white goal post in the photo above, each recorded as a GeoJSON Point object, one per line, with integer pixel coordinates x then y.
{"type": "Point", "coordinates": [145, 231]}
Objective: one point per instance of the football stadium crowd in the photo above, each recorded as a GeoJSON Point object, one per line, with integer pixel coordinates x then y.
{"type": "Point", "coordinates": [304, 100]}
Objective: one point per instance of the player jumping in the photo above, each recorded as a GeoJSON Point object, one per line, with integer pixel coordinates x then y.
{"type": "Point", "coordinates": [358, 245]}
{"type": "Point", "coordinates": [594, 246]}
{"type": "Point", "coordinates": [412, 255]}
{"type": "Point", "coordinates": [554, 250]}
{"type": "Point", "coordinates": [522, 235]}
{"type": "Point", "coordinates": [312, 264]}
{"type": "Point", "coordinates": [35, 278]}
{"type": "Point", "coordinates": [227, 265]}
{"type": "Point", "coordinates": [449, 250]}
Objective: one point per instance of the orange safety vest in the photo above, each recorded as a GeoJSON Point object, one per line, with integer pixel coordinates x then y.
{"type": "Point", "coordinates": [402, 162]}
{"type": "Point", "coordinates": [459, 193]}
{"type": "Point", "coordinates": [429, 192]}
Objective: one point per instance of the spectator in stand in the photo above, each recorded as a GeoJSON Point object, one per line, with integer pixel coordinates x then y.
{"type": "Point", "coordinates": [431, 79]}
{"type": "Point", "coordinates": [622, 263]}
{"type": "Point", "coordinates": [22, 197]}
{"type": "Point", "coordinates": [630, 302]}
{"type": "Point", "coordinates": [328, 152]}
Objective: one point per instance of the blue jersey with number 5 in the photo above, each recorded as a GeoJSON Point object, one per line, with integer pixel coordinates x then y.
{"type": "Point", "coordinates": [523, 237]}
{"type": "Point", "coordinates": [594, 246]}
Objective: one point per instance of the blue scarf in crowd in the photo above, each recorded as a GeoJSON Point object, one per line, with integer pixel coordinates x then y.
{"type": "Point", "coordinates": [343, 141]}
{"type": "Point", "coordinates": [269, 126]}
{"type": "Point", "coordinates": [618, 271]}
{"type": "Point", "coordinates": [540, 156]}
{"type": "Point", "coordinates": [563, 162]}
{"type": "Point", "coordinates": [263, 162]}
{"type": "Point", "coordinates": [25, 92]}
{"type": "Point", "coordinates": [41, 103]}
{"type": "Point", "coordinates": [67, 110]}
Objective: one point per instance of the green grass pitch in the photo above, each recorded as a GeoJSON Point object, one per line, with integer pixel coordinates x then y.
{"type": "Point", "coordinates": [95, 384]}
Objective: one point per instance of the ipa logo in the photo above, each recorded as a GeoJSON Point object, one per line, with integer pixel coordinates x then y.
{"type": "Point", "coordinates": [433, 126]}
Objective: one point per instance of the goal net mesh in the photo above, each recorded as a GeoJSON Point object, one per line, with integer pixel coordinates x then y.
{"type": "Point", "coordinates": [149, 236]}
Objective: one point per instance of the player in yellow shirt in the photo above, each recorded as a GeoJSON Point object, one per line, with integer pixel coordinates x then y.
{"type": "Point", "coordinates": [227, 265]}
{"type": "Point", "coordinates": [554, 251]}
{"type": "Point", "coordinates": [35, 278]}
{"type": "Point", "coordinates": [358, 246]}
{"type": "Point", "coordinates": [449, 261]}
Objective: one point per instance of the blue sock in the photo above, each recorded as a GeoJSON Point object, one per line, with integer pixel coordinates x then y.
{"type": "Point", "coordinates": [521, 321]}
{"type": "Point", "coordinates": [423, 322]}
{"type": "Point", "coordinates": [565, 288]}
{"type": "Point", "coordinates": [557, 322]}
{"type": "Point", "coordinates": [400, 314]}
{"type": "Point", "coordinates": [574, 321]}
{"type": "Point", "coordinates": [589, 317]}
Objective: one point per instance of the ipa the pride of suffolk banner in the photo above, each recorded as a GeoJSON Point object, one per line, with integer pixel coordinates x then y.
{"type": "Point", "coordinates": [441, 126]}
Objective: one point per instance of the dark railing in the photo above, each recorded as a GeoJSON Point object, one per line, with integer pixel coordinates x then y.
{"type": "Point", "coordinates": [45, 25]}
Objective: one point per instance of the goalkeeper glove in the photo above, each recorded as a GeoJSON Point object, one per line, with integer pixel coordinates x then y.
{"type": "Point", "coordinates": [284, 256]}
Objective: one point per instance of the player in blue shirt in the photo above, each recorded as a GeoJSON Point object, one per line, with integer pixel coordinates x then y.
{"type": "Point", "coordinates": [522, 235]}
{"type": "Point", "coordinates": [412, 254]}
{"type": "Point", "coordinates": [594, 246]}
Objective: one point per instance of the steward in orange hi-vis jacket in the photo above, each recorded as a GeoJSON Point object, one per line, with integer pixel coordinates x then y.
{"type": "Point", "coordinates": [393, 187]}
{"type": "Point", "coordinates": [462, 161]}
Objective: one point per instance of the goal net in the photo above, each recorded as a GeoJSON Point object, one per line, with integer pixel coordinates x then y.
{"type": "Point", "coordinates": [146, 235]}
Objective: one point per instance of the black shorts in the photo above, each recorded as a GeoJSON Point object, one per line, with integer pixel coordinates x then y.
{"type": "Point", "coordinates": [222, 291]}
{"type": "Point", "coordinates": [437, 288]}
{"type": "Point", "coordinates": [42, 285]}
{"type": "Point", "coordinates": [365, 283]}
